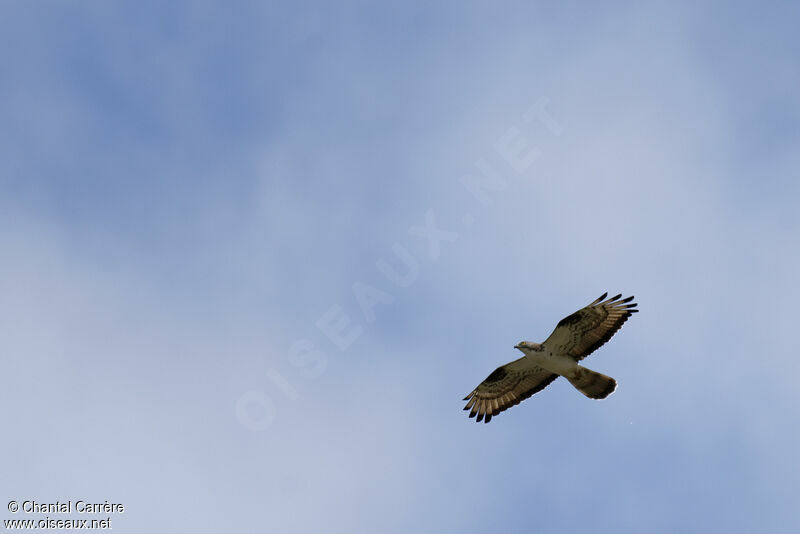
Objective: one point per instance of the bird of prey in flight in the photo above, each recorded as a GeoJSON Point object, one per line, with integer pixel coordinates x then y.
{"type": "Point", "coordinates": [575, 337]}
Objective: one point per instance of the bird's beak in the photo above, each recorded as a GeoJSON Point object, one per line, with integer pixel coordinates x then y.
{"type": "Point", "coordinates": [517, 347]}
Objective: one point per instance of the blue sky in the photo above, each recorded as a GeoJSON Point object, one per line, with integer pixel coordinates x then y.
{"type": "Point", "coordinates": [188, 191]}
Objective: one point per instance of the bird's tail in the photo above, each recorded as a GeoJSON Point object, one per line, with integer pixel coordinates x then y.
{"type": "Point", "coordinates": [592, 384]}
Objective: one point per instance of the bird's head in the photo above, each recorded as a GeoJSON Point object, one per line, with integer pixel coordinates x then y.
{"type": "Point", "coordinates": [528, 346]}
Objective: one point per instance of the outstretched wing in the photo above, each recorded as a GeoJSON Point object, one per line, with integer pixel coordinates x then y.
{"type": "Point", "coordinates": [507, 386]}
{"type": "Point", "coordinates": [586, 330]}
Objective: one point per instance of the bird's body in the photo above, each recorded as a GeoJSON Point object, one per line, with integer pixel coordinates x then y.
{"type": "Point", "coordinates": [575, 337]}
{"type": "Point", "coordinates": [559, 364]}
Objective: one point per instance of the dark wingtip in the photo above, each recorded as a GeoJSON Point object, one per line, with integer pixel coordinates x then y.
{"type": "Point", "coordinates": [480, 418]}
{"type": "Point", "coordinates": [604, 295]}
{"type": "Point", "coordinates": [467, 397]}
{"type": "Point", "coordinates": [488, 418]}
{"type": "Point", "coordinates": [627, 299]}
{"type": "Point", "coordinates": [612, 299]}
